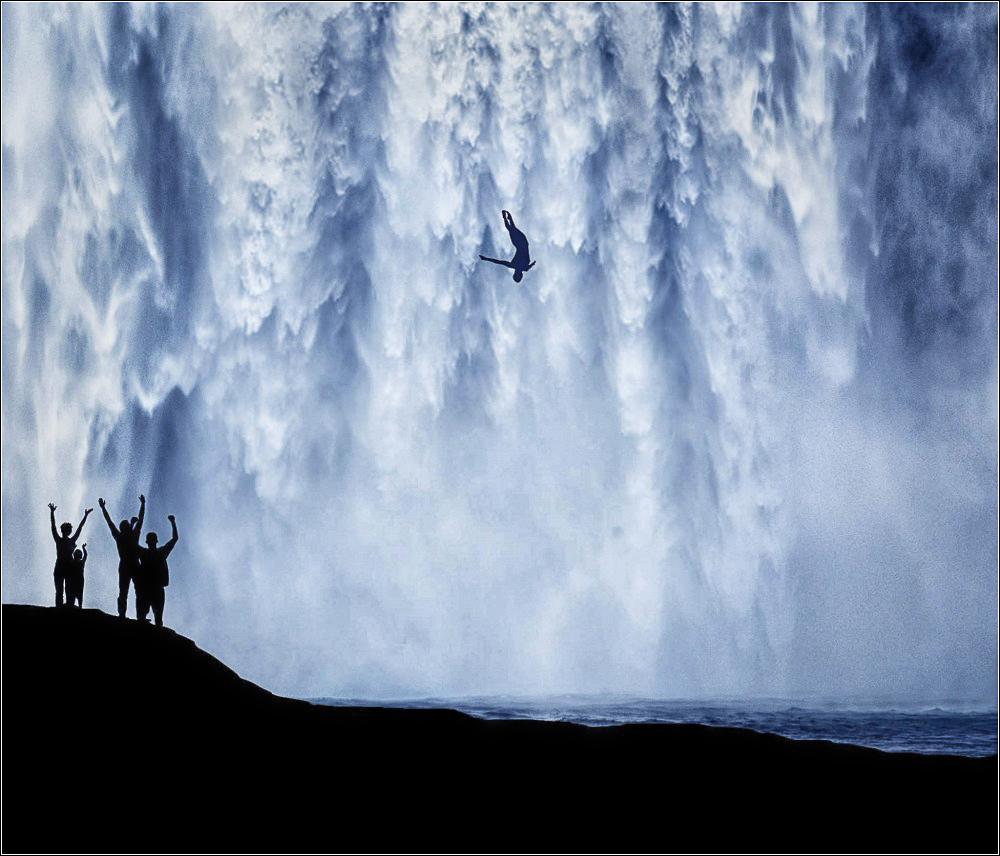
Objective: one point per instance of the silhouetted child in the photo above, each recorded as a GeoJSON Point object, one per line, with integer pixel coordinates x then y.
{"type": "Point", "coordinates": [65, 544]}
{"type": "Point", "coordinates": [521, 261]}
{"type": "Point", "coordinates": [74, 580]}
{"type": "Point", "coordinates": [127, 541]}
{"type": "Point", "coordinates": [153, 575]}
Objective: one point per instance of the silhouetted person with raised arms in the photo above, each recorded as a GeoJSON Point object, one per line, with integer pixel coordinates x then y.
{"type": "Point", "coordinates": [521, 261]}
{"type": "Point", "coordinates": [127, 541]}
{"type": "Point", "coordinates": [153, 575]}
{"type": "Point", "coordinates": [65, 544]}
{"type": "Point", "coordinates": [74, 581]}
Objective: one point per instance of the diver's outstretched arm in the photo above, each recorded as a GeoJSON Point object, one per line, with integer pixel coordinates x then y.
{"type": "Point", "coordinates": [529, 267]}
{"type": "Point", "coordinates": [497, 261]}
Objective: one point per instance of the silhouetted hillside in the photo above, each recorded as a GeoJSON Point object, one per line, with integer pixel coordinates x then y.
{"type": "Point", "coordinates": [119, 737]}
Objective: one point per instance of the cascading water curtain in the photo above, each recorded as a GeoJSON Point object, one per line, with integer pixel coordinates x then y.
{"type": "Point", "coordinates": [735, 433]}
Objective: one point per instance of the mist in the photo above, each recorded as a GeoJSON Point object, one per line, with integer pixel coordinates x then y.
{"type": "Point", "coordinates": [735, 434]}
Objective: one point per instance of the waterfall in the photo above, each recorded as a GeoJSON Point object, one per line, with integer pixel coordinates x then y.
{"type": "Point", "coordinates": [735, 433]}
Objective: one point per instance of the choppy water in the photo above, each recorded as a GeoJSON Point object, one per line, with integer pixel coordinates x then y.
{"type": "Point", "coordinates": [944, 728]}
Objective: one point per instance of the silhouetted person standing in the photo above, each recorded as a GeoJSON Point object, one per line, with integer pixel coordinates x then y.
{"type": "Point", "coordinates": [127, 542]}
{"type": "Point", "coordinates": [521, 261]}
{"type": "Point", "coordinates": [65, 544]}
{"type": "Point", "coordinates": [153, 575]}
{"type": "Point", "coordinates": [74, 581]}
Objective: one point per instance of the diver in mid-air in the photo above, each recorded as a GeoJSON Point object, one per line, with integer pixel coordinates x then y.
{"type": "Point", "coordinates": [521, 261]}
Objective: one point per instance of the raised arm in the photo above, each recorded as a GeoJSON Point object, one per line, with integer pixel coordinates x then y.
{"type": "Point", "coordinates": [173, 538]}
{"type": "Point", "coordinates": [79, 528]}
{"type": "Point", "coordinates": [111, 524]}
{"type": "Point", "coordinates": [142, 514]}
{"type": "Point", "coordinates": [52, 518]}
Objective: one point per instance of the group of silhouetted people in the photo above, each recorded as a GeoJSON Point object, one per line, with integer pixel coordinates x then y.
{"type": "Point", "coordinates": [143, 567]}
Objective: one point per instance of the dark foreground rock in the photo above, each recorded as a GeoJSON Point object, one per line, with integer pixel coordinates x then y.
{"type": "Point", "coordinates": [122, 737]}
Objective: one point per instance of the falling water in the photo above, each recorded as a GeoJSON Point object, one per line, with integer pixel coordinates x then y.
{"type": "Point", "coordinates": [735, 433]}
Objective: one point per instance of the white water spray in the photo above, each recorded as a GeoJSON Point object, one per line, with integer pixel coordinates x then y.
{"type": "Point", "coordinates": [241, 275]}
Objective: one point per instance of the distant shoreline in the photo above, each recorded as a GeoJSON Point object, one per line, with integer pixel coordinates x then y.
{"type": "Point", "coordinates": [157, 746]}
